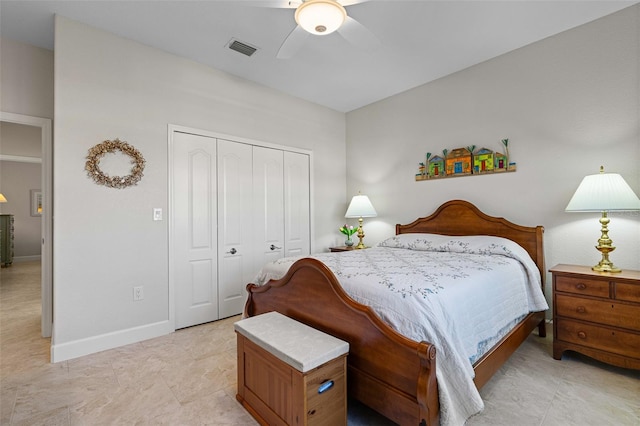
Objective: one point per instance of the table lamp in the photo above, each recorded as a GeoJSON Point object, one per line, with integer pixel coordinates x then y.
{"type": "Point", "coordinates": [604, 192]}
{"type": "Point", "coordinates": [360, 207]}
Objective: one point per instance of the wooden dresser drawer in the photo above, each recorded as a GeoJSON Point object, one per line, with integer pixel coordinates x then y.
{"type": "Point", "coordinates": [603, 338]}
{"type": "Point", "coordinates": [598, 311]}
{"type": "Point", "coordinates": [580, 285]}
{"type": "Point", "coordinates": [628, 292]}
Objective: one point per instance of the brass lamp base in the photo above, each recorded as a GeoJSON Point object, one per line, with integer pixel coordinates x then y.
{"type": "Point", "coordinates": [604, 246]}
{"type": "Point", "coordinates": [360, 235]}
{"type": "Point", "coordinates": [605, 266]}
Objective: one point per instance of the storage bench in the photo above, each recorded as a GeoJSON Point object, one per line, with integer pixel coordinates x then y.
{"type": "Point", "coordinates": [290, 373]}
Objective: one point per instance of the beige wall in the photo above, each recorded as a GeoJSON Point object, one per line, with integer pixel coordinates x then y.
{"type": "Point", "coordinates": [26, 79]}
{"type": "Point", "coordinates": [568, 104]}
{"type": "Point", "coordinates": [105, 239]}
{"type": "Point", "coordinates": [20, 140]}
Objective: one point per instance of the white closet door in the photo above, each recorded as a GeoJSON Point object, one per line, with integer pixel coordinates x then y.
{"type": "Point", "coordinates": [235, 266]}
{"type": "Point", "coordinates": [195, 239]}
{"type": "Point", "coordinates": [296, 204]}
{"type": "Point", "coordinates": [268, 196]}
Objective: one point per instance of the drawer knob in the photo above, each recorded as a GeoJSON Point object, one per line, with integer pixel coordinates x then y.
{"type": "Point", "coordinates": [581, 286]}
{"type": "Point", "coordinates": [325, 386]}
{"type": "Point", "coordinates": [582, 334]}
{"type": "Point", "coordinates": [580, 309]}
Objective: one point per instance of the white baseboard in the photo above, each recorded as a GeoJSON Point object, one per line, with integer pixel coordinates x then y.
{"type": "Point", "coordinates": [18, 259]}
{"type": "Point", "coordinates": [77, 348]}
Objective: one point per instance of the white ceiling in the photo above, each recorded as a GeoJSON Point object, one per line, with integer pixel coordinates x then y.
{"type": "Point", "coordinates": [420, 40]}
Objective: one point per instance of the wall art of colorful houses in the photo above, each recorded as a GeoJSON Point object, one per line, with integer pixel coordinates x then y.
{"type": "Point", "coordinates": [464, 162]}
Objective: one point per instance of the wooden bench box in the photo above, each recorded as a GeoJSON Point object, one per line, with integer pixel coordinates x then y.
{"type": "Point", "coordinates": [289, 373]}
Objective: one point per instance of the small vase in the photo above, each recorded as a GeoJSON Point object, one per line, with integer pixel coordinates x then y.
{"type": "Point", "coordinates": [348, 242]}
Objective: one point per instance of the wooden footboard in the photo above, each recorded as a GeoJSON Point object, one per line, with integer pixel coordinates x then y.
{"type": "Point", "coordinates": [387, 372]}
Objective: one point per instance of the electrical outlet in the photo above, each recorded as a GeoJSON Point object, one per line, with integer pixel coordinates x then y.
{"type": "Point", "coordinates": [138, 293]}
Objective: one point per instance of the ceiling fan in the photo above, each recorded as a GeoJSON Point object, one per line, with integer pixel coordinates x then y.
{"type": "Point", "coordinates": [322, 17]}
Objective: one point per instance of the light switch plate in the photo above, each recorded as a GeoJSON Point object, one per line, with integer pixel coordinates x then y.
{"type": "Point", "coordinates": [157, 214]}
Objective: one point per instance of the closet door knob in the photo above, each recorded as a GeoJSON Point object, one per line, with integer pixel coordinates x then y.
{"type": "Point", "coordinates": [233, 251]}
{"type": "Point", "coordinates": [272, 247]}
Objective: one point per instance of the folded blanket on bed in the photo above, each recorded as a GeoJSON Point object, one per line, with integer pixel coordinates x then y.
{"type": "Point", "coordinates": [462, 294]}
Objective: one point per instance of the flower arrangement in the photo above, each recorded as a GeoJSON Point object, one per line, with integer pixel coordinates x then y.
{"type": "Point", "coordinates": [348, 230]}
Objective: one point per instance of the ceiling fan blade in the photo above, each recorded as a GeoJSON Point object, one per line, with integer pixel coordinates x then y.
{"type": "Point", "coordinates": [346, 3]}
{"type": "Point", "coordinates": [276, 4]}
{"type": "Point", "coordinates": [292, 43]}
{"type": "Point", "coordinates": [358, 35]}
{"type": "Point", "coordinates": [288, 4]}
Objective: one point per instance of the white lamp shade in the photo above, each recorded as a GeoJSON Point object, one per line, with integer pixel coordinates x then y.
{"type": "Point", "coordinates": [2, 199]}
{"type": "Point", "coordinates": [360, 206]}
{"type": "Point", "coordinates": [320, 17]}
{"type": "Point", "coordinates": [603, 192]}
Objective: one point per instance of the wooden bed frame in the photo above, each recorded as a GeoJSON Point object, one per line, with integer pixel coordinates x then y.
{"type": "Point", "coordinates": [388, 372]}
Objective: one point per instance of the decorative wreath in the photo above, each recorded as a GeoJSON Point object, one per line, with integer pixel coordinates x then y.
{"type": "Point", "coordinates": [97, 152]}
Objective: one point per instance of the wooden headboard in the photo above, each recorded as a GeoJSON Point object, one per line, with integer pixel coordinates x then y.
{"type": "Point", "coordinates": [458, 217]}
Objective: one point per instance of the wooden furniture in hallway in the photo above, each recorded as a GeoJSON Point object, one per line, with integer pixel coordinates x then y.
{"type": "Point", "coordinates": [6, 240]}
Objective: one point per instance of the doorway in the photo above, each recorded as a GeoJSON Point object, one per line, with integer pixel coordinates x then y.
{"type": "Point", "coordinates": [46, 186]}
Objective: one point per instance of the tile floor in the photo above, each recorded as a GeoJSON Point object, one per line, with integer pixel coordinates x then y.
{"type": "Point", "coordinates": [188, 378]}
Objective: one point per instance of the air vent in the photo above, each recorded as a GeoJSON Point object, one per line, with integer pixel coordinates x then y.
{"type": "Point", "coordinates": [241, 47]}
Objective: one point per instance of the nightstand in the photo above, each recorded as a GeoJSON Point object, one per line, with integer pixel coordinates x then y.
{"type": "Point", "coordinates": [341, 248]}
{"type": "Point", "coordinates": [597, 314]}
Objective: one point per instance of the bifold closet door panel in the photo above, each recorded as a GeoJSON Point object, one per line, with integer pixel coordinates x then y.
{"type": "Point", "coordinates": [195, 257]}
{"type": "Point", "coordinates": [235, 233]}
{"type": "Point", "coordinates": [268, 205]}
{"type": "Point", "coordinates": [297, 241]}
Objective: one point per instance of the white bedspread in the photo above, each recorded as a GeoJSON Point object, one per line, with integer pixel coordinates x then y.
{"type": "Point", "coordinates": [460, 293]}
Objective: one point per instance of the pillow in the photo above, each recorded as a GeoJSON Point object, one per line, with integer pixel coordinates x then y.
{"type": "Point", "coordinates": [474, 244]}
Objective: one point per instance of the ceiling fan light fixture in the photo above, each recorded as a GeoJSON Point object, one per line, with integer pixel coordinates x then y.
{"type": "Point", "coordinates": [320, 17]}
